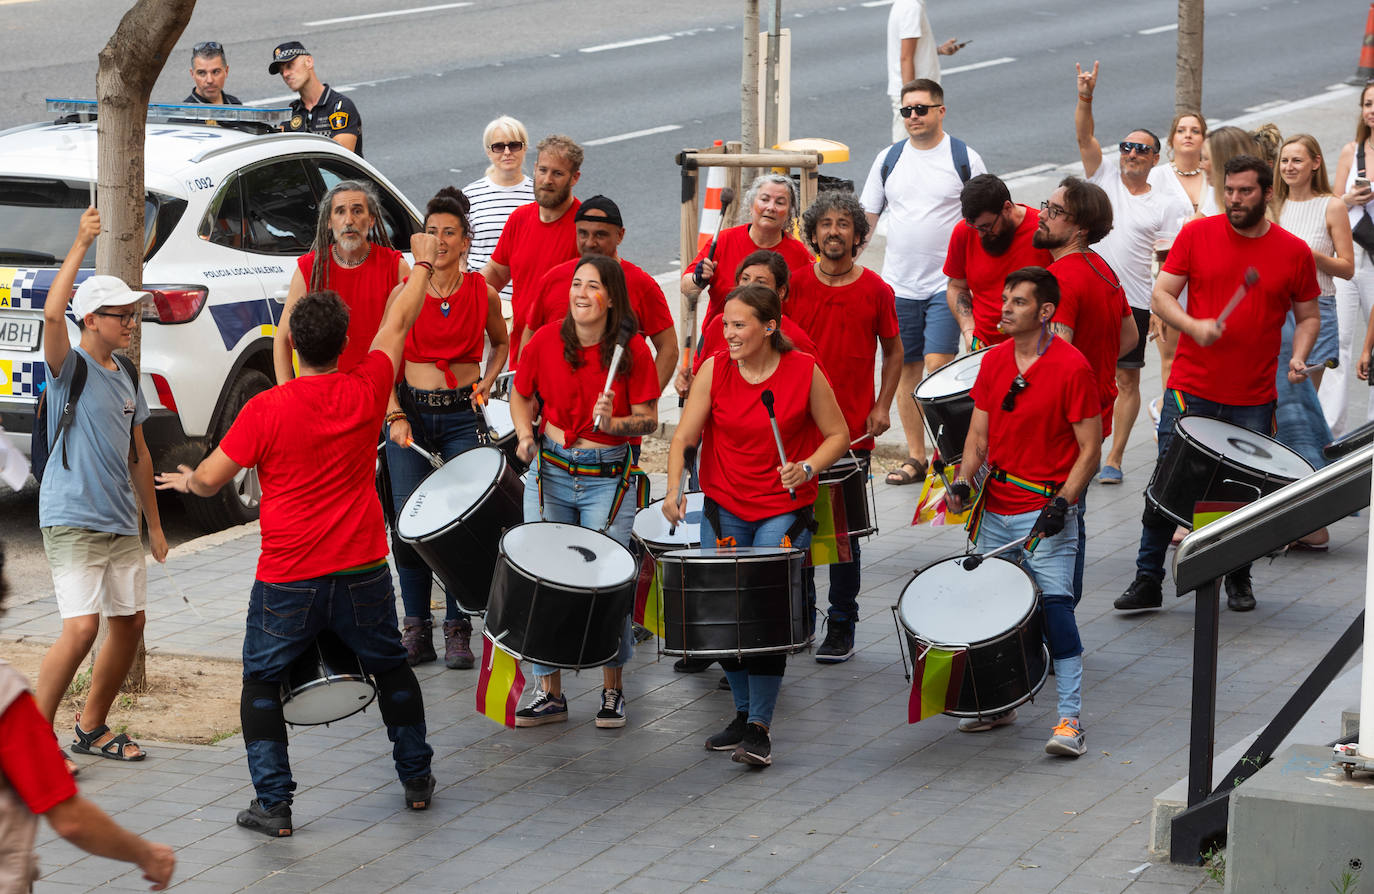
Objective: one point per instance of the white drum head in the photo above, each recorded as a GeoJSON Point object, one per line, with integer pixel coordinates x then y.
{"type": "Point", "coordinates": [955, 377]}
{"type": "Point", "coordinates": [1244, 447]}
{"type": "Point", "coordinates": [651, 527]}
{"type": "Point", "coordinates": [449, 493]}
{"type": "Point", "coordinates": [946, 604]}
{"type": "Point", "coordinates": [568, 555]}
{"type": "Point", "coordinates": [497, 414]}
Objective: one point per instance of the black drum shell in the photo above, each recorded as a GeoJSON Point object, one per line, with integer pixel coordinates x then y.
{"type": "Point", "coordinates": [947, 419]}
{"type": "Point", "coordinates": [328, 662]}
{"type": "Point", "coordinates": [856, 491]}
{"type": "Point", "coordinates": [723, 604]}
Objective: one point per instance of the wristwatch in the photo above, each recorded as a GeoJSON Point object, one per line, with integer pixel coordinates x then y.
{"type": "Point", "coordinates": [810, 472]}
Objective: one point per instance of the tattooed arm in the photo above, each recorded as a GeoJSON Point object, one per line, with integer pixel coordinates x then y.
{"type": "Point", "coordinates": [961, 305]}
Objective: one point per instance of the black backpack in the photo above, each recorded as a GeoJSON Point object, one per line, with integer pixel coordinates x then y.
{"type": "Point", "coordinates": [39, 448]}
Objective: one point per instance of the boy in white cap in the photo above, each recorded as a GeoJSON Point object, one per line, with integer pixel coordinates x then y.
{"type": "Point", "coordinates": [86, 507]}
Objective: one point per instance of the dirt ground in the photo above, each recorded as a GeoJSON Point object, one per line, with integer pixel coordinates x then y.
{"type": "Point", "coordinates": [192, 700]}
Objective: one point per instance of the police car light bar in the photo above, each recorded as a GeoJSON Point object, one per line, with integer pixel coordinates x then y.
{"type": "Point", "coordinates": [87, 110]}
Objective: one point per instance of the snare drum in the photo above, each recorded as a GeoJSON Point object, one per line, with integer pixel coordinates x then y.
{"type": "Point", "coordinates": [993, 611]}
{"type": "Point", "coordinates": [853, 487]}
{"type": "Point", "coordinates": [1209, 459]}
{"type": "Point", "coordinates": [455, 517]}
{"type": "Point", "coordinates": [651, 529]}
{"type": "Point", "coordinates": [744, 601]}
{"type": "Point", "coordinates": [560, 595]}
{"type": "Point", "coordinates": [500, 431]}
{"type": "Point", "coordinates": [946, 401]}
{"type": "Point", "coordinates": [326, 683]}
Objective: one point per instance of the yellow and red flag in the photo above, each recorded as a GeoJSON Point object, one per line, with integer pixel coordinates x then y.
{"type": "Point", "coordinates": [500, 685]}
{"type": "Point", "coordinates": [1206, 511]}
{"type": "Point", "coordinates": [648, 597]}
{"type": "Point", "coordinates": [830, 545]}
{"type": "Point", "coordinates": [936, 678]}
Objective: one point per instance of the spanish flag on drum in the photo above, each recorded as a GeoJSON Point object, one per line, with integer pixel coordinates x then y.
{"type": "Point", "coordinates": [937, 676]}
{"type": "Point", "coordinates": [500, 685]}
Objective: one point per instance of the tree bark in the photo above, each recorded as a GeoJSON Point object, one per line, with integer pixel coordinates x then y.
{"type": "Point", "coordinates": [1188, 70]}
{"type": "Point", "coordinates": [749, 84]}
{"type": "Point", "coordinates": [129, 67]}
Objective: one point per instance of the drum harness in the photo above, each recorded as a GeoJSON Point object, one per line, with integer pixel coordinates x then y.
{"type": "Point", "coordinates": [975, 516]}
{"type": "Point", "coordinates": [622, 469]}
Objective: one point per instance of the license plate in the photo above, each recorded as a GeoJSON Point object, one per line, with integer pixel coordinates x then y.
{"type": "Point", "coordinates": [20, 333]}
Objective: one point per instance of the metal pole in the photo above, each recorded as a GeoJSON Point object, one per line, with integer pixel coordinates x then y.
{"type": "Point", "coordinates": [1202, 730]}
{"type": "Point", "coordinates": [770, 78]}
{"type": "Point", "coordinates": [1366, 744]}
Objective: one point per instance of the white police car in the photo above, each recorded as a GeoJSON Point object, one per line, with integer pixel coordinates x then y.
{"type": "Point", "coordinates": [227, 213]}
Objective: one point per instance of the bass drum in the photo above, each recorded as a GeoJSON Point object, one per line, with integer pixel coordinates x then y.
{"type": "Point", "coordinates": [743, 601]}
{"type": "Point", "coordinates": [852, 487]}
{"type": "Point", "coordinates": [455, 517]}
{"type": "Point", "coordinates": [1212, 460]}
{"type": "Point", "coordinates": [326, 683]}
{"type": "Point", "coordinates": [560, 595]}
{"type": "Point", "coordinates": [993, 611]}
{"type": "Point", "coordinates": [946, 401]}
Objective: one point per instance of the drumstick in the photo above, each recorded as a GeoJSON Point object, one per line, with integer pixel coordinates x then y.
{"type": "Point", "coordinates": [434, 461]}
{"type": "Point", "coordinates": [622, 338]}
{"type": "Point", "coordinates": [1313, 367]}
{"type": "Point", "coordinates": [767, 398]}
{"type": "Point", "coordinates": [973, 561]}
{"type": "Point", "coordinates": [727, 198]}
{"type": "Point", "coordinates": [188, 602]}
{"type": "Point", "coordinates": [1251, 278]}
{"type": "Point", "coordinates": [689, 456]}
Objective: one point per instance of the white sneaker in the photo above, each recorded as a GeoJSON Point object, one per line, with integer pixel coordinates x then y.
{"type": "Point", "coordinates": [987, 722]}
{"type": "Point", "coordinates": [1067, 739]}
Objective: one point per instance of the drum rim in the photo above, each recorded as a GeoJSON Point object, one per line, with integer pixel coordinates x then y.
{"type": "Point", "coordinates": [491, 486]}
{"type": "Point", "coordinates": [936, 371]}
{"type": "Point", "coordinates": [292, 695]}
{"type": "Point", "coordinates": [537, 660]}
{"type": "Point", "coordinates": [1035, 603]}
{"type": "Point", "coordinates": [501, 553]}
{"type": "Point", "coordinates": [1221, 457]}
{"type": "Point", "coordinates": [730, 554]}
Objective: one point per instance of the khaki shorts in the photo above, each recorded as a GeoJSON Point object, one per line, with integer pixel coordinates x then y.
{"type": "Point", "coordinates": [96, 573]}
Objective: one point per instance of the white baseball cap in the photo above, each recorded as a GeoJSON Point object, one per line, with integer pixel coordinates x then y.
{"type": "Point", "coordinates": [103, 291]}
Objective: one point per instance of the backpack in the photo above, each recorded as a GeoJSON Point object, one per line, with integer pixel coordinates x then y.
{"type": "Point", "coordinates": [39, 448]}
{"type": "Point", "coordinates": [958, 151]}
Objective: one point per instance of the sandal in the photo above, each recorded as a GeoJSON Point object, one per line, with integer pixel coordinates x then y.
{"type": "Point", "coordinates": [115, 749]}
{"type": "Point", "coordinates": [899, 476]}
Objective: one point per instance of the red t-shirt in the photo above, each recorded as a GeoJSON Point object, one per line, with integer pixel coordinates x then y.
{"type": "Point", "coordinates": [986, 274]}
{"type": "Point", "coordinates": [30, 759]}
{"type": "Point", "coordinates": [451, 330]}
{"type": "Point", "coordinates": [364, 289]}
{"type": "Point", "coordinates": [1035, 441]}
{"type": "Point", "coordinates": [530, 247]}
{"type": "Point", "coordinates": [734, 245]}
{"type": "Point", "coordinates": [713, 340]}
{"type": "Point", "coordinates": [846, 323]}
{"type": "Point", "coordinates": [1240, 367]}
{"type": "Point", "coordinates": [1093, 304]}
{"type": "Point", "coordinates": [739, 458]}
{"type": "Point", "coordinates": [314, 442]}
{"type": "Point", "coordinates": [646, 298]}
{"type": "Point", "coordinates": [570, 394]}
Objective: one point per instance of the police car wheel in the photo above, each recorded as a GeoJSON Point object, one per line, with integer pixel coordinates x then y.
{"type": "Point", "coordinates": [237, 502]}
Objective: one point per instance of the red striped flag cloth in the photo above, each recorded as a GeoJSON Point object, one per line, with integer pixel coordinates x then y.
{"type": "Point", "coordinates": [936, 678]}
{"type": "Point", "coordinates": [500, 685]}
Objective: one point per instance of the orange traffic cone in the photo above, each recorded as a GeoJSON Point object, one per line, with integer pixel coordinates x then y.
{"type": "Point", "coordinates": [1365, 71]}
{"type": "Point", "coordinates": [710, 210]}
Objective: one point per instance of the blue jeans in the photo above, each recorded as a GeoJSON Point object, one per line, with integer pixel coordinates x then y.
{"type": "Point", "coordinates": [283, 621]}
{"type": "Point", "coordinates": [1299, 418]}
{"type": "Point", "coordinates": [446, 435]}
{"type": "Point", "coordinates": [586, 501]}
{"type": "Point", "coordinates": [1052, 566]}
{"type": "Point", "coordinates": [1156, 529]}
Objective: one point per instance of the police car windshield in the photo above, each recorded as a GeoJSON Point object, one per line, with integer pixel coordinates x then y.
{"type": "Point", "coordinates": [38, 219]}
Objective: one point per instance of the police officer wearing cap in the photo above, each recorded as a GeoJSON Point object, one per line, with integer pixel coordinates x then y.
{"type": "Point", "coordinates": [318, 109]}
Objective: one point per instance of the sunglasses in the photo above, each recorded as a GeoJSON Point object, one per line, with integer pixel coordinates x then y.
{"type": "Point", "coordinates": [125, 319]}
{"type": "Point", "coordinates": [1138, 148]}
{"type": "Point", "coordinates": [513, 145]}
{"type": "Point", "coordinates": [1018, 385]}
{"type": "Point", "coordinates": [1053, 211]}
{"type": "Point", "coordinates": [920, 111]}
{"type": "Point", "coordinates": [208, 46]}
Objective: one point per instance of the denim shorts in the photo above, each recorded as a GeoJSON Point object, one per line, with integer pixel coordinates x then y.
{"type": "Point", "coordinates": [927, 327]}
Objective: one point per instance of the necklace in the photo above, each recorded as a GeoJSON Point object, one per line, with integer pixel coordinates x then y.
{"type": "Point", "coordinates": [1192, 173]}
{"type": "Point", "coordinates": [834, 276]}
{"type": "Point", "coordinates": [443, 297]}
{"type": "Point", "coordinates": [342, 263]}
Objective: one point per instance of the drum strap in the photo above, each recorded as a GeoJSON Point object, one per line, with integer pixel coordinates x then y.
{"type": "Point", "coordinates": [623, 470]}
{"type": "Point", "coordinates": [974, 524]}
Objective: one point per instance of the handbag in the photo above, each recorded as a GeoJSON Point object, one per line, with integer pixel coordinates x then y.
{"type": "Point", "coordinates": [1363, 231]}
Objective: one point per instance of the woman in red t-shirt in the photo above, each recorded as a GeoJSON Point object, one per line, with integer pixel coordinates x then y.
{"type": "Point", "coordinates": [747, 489]}
{"type": "Point", "coordinates": [433, 405]}
{"type": "Point", "coordinates": [582, 471]}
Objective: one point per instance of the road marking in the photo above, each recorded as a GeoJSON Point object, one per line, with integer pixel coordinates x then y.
{"type": "Point", "coordinates": [872, 3]}
{"type": "Point", "coordinates": [634, 134]}
{"type": "Point", "coordinates": [638, 41]}
{"type": "Point", "coordinates": [14, 2]}
{"type": "Point", "coordinates": [382, 15]}
{"type": "Point", "coordinates": [1159, 30]}
{"type": "Point", "coordinates": [1030, 171]}
{"type": "Point", "coordinates": [977, 65]}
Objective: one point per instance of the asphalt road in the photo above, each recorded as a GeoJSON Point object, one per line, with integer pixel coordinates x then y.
{"type": "Point", "coordinates": [427, 81]}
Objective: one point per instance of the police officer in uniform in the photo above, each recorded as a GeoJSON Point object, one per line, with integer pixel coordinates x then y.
{"type": "Point", "coordinates": [318, 109]}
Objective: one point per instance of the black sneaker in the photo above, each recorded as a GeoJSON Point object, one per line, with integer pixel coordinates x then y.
{"type": "Point", "coordinates": [419, 791]}
{"type": "Point", "coordinates": [1144, 594]}
{"type": "Point", "coordinates": [612, 713]}
{"type": "Point", "coordinates": [692, 665]}
{"type": "Point", "coordinates": [274, 822]}
{"type": "Point", "coordinates": [756, 749]}
{"type": "Point", "coordinates": [1240, 596]}
{"type": "Point", "coordinates": [732, 735]}
{"type": "Point", "coordinates": [542, 709]}
{"type": "Point", "coordinates": [723, 683]}
{"type": "Point", "coordinates": [838, 645]}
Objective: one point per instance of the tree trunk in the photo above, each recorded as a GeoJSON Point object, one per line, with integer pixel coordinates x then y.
{"type": "Point", "coordinates": [129, 67]}
{"type": "Point", "coordinates": [1188, 71]}
{"type": "Point", "coordinates": [749, 84]}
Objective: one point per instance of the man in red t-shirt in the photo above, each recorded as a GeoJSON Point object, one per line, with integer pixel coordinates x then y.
{"type": "Point", "coordinates": [323, 567]}
{"type": "Point", "coordinates": [600, 230]}
{"type": "Point", "coordinates": [848, 311]}
{"type": "Point", "coordinates": [352, 256]}
{"type": "Point", "coordinates": [540, 235]}
{"type": "Point", "coordinates": [1226, 368]}
{"type": "Point", "coordinates": [1037, 423]}
{"type": "Point", "coordinates": [992, 240]}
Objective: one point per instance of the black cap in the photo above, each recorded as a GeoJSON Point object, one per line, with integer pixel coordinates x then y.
{"type": "Point", "coordinates": [610, 211]}
{"type": "Point", "coordinates": [285, 53]}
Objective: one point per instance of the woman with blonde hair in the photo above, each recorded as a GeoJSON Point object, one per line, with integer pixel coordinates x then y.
{"type": "Point", "coordinates": [1355, 296]}
{"type": "Point", "coordinates": [503, 188]}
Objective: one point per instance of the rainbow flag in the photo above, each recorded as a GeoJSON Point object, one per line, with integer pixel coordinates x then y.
{"type": "Point", "coordinates": [931, 508]}
{"type": "Point", "coordinates": [830, 544]}
{"type": "Point", "coordinates": [1207, 511]}
{"type": "Point", "coordinates": [500, 685]}
{"type": "Point", "coordinates": [936, 678]}
{"type": "Point", "coordinates": [648, 611]}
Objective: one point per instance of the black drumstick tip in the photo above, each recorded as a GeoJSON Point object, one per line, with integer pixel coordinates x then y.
{"type": "Point", "coordinates": [972, 562]}
{"type": "Point", "coordinates": [767, 398]}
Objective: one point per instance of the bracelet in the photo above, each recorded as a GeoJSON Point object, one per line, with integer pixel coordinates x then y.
{"type": "Point", "coordinates": [1086, 97]}
{"type": "Point", "coordinates": [395, 415]}
{"type": "Point", "coordinates": [427, 265]}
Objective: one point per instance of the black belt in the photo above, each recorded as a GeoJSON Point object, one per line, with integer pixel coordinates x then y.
{"type": "Point", "coordinates": [440, 400]}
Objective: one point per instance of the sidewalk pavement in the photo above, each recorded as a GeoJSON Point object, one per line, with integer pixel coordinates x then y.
{"type": "Point", "coordinates": [857, 800]}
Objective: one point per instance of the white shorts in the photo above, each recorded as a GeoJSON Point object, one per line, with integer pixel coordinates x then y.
{"type": "Point", "coordinates": [95, 572]}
